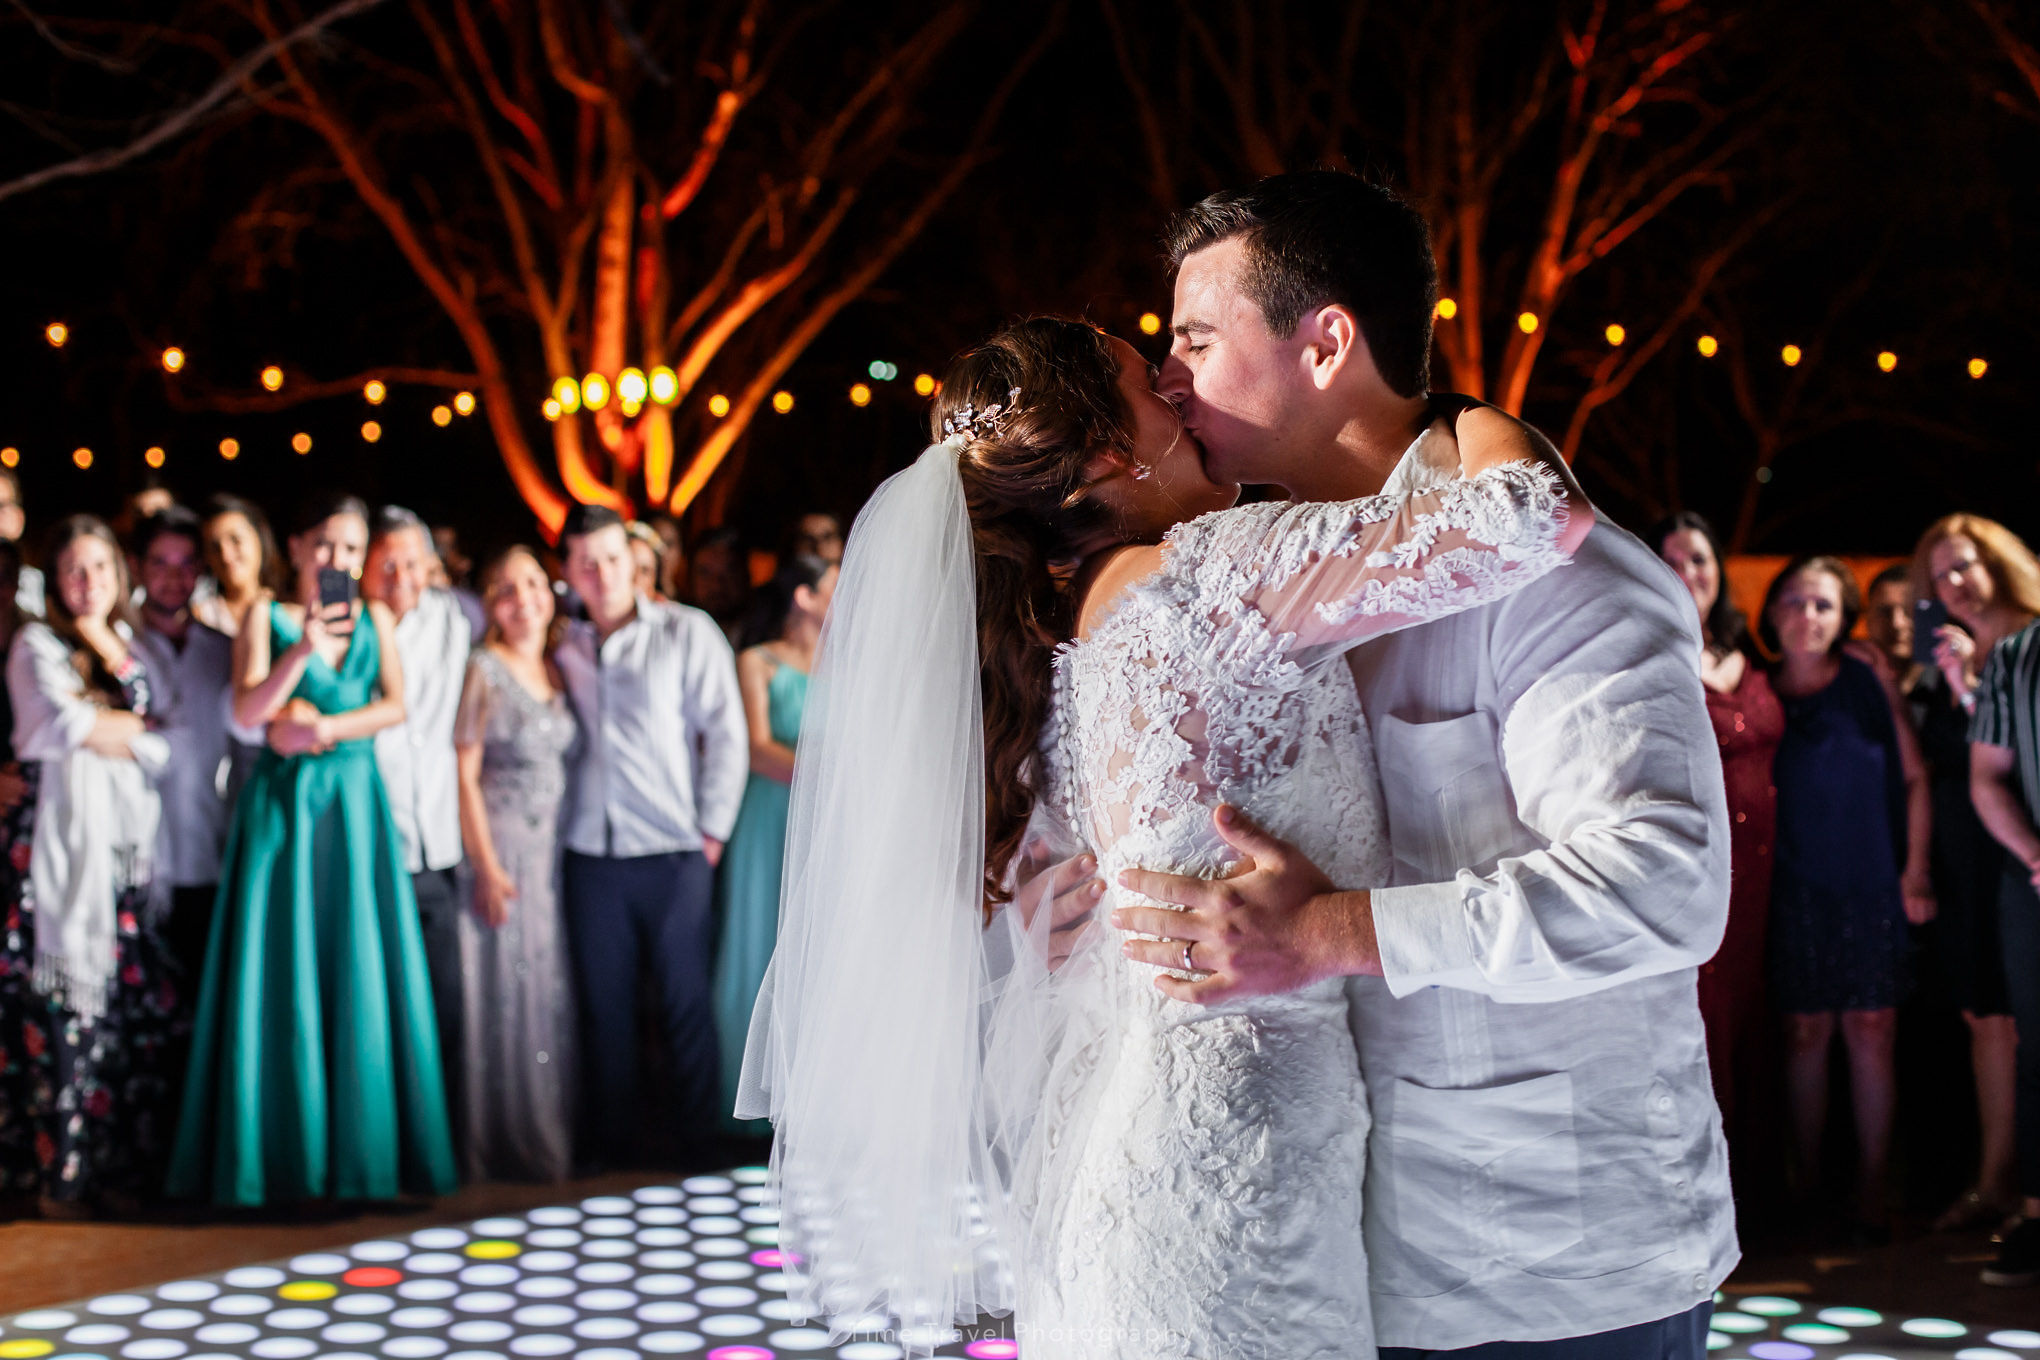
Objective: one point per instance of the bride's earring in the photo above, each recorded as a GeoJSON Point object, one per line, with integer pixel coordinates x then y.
{"type": "Point", "coordinates": [1140, 472]}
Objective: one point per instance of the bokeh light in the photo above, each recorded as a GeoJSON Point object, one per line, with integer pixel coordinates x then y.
{"type": "Point", "coordinates": [1150, 324]}
{"type": "Point", "coordinates": [665, 385]}
{"type": "Point", "coordinates": [230, 448]}
{"type": "Point", "coordinates": [551, 408]}
{"type": "Point", "coordinates": [1527, 323]}
{"type": "Point", "coordinates": [782, 401]}
{"type": "Point", "coordinates": [567, 396]}
{"type": "Point", "coordinates": [371, 431]}
{"type": "Point", "coordinates": [883, 371]}
{"type": "Point", "coordinates": [82, 457]}
{"type": "Point", "coordinates": [1708, 346]}
{"type": "Point", "coordinates": [631, 387]}
{"type": "Point", "coordinates": [173, 359]}
{"type": "Point", "coordinates": [375, 391]}
{"type": "Point", "coordinates": [1791, 354]}
{"type": "Point", "coordinates": [1977, 368]}
{"type": "Point", "coordinates": [924, 384]}
{"type": "Point", "coordinates": [442, 416]}
{"type": "Point", "coordinates": [594, 391]}
{"type": "Point", "coordinates": [860, 394]}
{"type": "Point", "coordinates": [1447, 308]}
{"type": "Point", "coordinates": [464, 403]}
{"type": "Point", "coordinates": [10, 457]}
{"type": "Point", "coordinates": [718, 406]}
{"type": "Point", "coordinates": [154, 456]}
{"type": "Point", "coordinates": [57, 333]}
{"type": "Point", "coordinates": [1616, 335]}
{"type": "Point", "coordinates": [1887, 361]}
{"type": "Point", "coordinates": [301, 441]}
{"type": "Point", "coordinates": [272, 378]}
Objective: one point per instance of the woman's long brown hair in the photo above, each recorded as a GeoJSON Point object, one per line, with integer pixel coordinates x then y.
{"type": "Point", "coordinates": [1025, 486]}
{"type": "Point", "coordinates": [100, 686]}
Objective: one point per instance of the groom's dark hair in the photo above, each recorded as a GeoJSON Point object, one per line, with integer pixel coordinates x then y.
{"type": "Point", "coordinates": [1322, 236]}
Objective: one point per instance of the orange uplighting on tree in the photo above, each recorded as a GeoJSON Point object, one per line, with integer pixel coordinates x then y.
{"type": "Point", "coordinates": [57, 333]}
{"type": "Point", "coordinates": [1791, 354]}
{"type": "Point", "coordinates": [1977, 368]}
{"type": "Point", "coordinates": [1616, 335]}
{"type": "Point", "coordinates": [1886, 360]}
{"type": "Point", "coordinates": [82, 457]}
{"type": "Point", "coordinates": [301, 441]}
{"type": "Point", "coordinates": [442, 416]}
{"type": "Point", "coordinates": [860, 394]}
{"type": "Point", "coordinates": [1708, 346]}
{"type": "Point", "coordinates": [230, 449]}
{"type": "Point", "coordinates": [782, 401]}
{"type": "Point", "coordinates": [1150, 324]}
{"type": "Point", "coordinates": [173, 359]}
{"type": "Point", "coordinates": [374, 392]}
{"type": "Point", "coordinates": [1446, 309]}
{"type": "Point", "coordinates": [718, 406]}
{"type": "Point", "coordinates": [1527, 323]}
{"type": "Point", "coordinates": [924, 384]}
{"type": "Point", "coordinates": [464, 403]}
{"type": "Point", "coordinates": [371, 431]}
{"type": "Point", "coordinates": [10, 457]}
{"type": "Point", "coordinates": [153, 456]}
{"type": "Point", "coordinates": [272, 378]}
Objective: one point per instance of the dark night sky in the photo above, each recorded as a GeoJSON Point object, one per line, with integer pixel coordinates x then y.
{"type": "Point", "coordinates": [1902, 179]}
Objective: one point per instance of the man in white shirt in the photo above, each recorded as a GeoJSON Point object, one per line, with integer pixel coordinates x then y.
{"type": "Point", "coordinates": [1547, 1172]}
{"type": "Point", "coordinates": [416, 756]}
{"type": "Point", "coordinates": [190, 678]}
{"type": "Point", "coordinates": [654, 794]}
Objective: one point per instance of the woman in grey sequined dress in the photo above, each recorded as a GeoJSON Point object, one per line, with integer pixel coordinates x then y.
{"type": "Point", "coordinates": [512, 737]}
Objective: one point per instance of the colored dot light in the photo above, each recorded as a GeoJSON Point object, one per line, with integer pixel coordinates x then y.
{"type": "Point", "coordinates": [993, 1348]}
{"type": "Point", "coordinates": [718, 406]}
{"type": "Point", "coordinates": [631, 387]}
{"type": "Point", "coordinates": [567, 393]}
{"type": "Point", "coordinates": [1781, 1350]}
{"type": "Point", "coordinates": [307, 1291]}
{"type": "Point", "coordinates": [10, 457]}
{"type": "Point", "coordinates": [740, 1353]}
{"type": "Point", "coordinates": [1850, 1317]}
{"type": "Point", "coordinates": [1791, 354]}
{"type": "Point", "coordinates": [272, 378]}
{"type": "Point", "coordinates": [1764, 1305]}
{"type": "Point", "coordinates": [1978, 367]}
{"type": "Point", "coordinates": [230, 449]}
{"type": "Point", "coordinates": [1887, 361]}
{"type": "Point", "coordinates": [492, 1250]}
{"type": "Point", "coordinates": [1716, 1341]}
{"type": "Point", "coordinates": [1934, 1329]}
{"type": "Point", "coordinates": [24, 1348]}
{"type": "Point", "coordinates": [1815, 1334]}
{"type": "Point", "coordinates": [860, 394]}
{"type": "Point", "coordinates": [301, 441]}
{"type": "Point", "coordinates": [1150, 324]}
{"type": "Point", "coordinates": [1708, 346]}
{"type": "Point", "coordinates": [82, 457]}
{"type": "Point", "coordinates": [782, 401]}
{"type": "Point", "coordinates": [464, 403]}
{"type": "Point", "coordinates": [442, 416]}
{"type": "Point", "coordinates": [1616, 335]}
{"type": "Point", "coordinates": [371, 431]}
{"type": "Point", "coordinates": [56, 333]}
{"type": "Point", "coordinates": [665, 385]}
{"type": "Point", "coordinates": [594, 392]}
{"type": "Point", "coordinates": [153, 456]}
{"type": "Point", "coordinates": [173, 359]}
{"type": "Point", "coordinates": [372, 1277]}
{"type": "Point", "coordinates": [1739, 1322]}
{"type": "Point", "coordinates": [374, 392]}
{"type": "Point", "coordinates": [551, 408]}
{"type": "Point", "coordinates": [1447, 308]}
{"type": "Point", "coordinates": [924, 384]}
{"type": "Point", "coordinates": [1527, 323]}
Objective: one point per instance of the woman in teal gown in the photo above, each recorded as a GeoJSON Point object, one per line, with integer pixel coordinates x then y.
{"type": "Point", "coordinates": [315, 1068]}
{"type": "Point", "coordinates": [785, 625]}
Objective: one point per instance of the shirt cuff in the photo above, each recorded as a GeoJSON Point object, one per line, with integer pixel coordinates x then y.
{"type": "Point", "coordinates": [1423, 935]}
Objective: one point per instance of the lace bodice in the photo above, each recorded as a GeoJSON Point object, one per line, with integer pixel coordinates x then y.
{"type": "Point", "coordinates": [1198, 1191]}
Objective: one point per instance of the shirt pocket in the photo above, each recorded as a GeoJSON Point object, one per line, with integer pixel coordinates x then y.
{"type": "Point", "coordinates": [1448, 804]}
{"type": "Point", "coordinates": [1467, 1178]}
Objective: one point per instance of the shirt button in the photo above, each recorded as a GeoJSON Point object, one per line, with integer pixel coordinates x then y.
{"type": "Point", "coordinates": [1699, 1281]}
{"type": "Point", "coordinates": [1664, 1102]}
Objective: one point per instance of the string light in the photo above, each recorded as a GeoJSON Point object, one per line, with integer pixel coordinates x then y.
{"type": "Point", "coordinates": [631, 387]}
{"type": "Point", "coordinates": [230, 449]}
{"type": "Point", "coordinates": [464, 403]}
{"type": "Point", "coordinates": [442, 416]}
{"type": "Point", "coordinates": [10, 457]}
{"type": "Point", "coordinates": [567, 397]}
{"type": "Point", "coordinates": [1446, 309]}
{"type": "Point", "coordinates": [375, 392]}
{"type": "Point", "coordinates": [881, 371]}
{"type": "Point", "coordinates": [272, 378]}
{"type": "Point", "coordinates": [1150, 324]}
{"type": "Point", "coordinates": [371, 431]}
{"type": "Point", "coordinates": [1527, 323]}
{"type": "Point", "coordinates": [1708, 346]}
{"type": "Point", "coordinates": [551, 408]}
{"type": "Point", "coordinates": [924, 384]}
{"type": "Point", "coordinates": [1886, 360]}
{"type": "Point", "coordinates": [718, 406]}
{"type": "Point", "coordinates": [665, 385]}
{"type": "Point", "coordinates": [860, 394]}
{"type": "Point", "coordinates": [153, 456]}
{"type": "Point", "coordinates": [82, 457]}
{"type": "Point", "coordinates": [1616, 335]}
{"type": "Point", "coordinates": [301, 441]}
{"type": "Point", "coordinates": [782, 401]}
{"type": "Point", "coordinates": [594, 392]}
{"type": "Point", "coordinates": [173, 359]}
{"type": "Point", "coordinates": [1977, 368]}
{"type": "Point", "coordinates": [1791, 354]}
{"type": "Point", "coordinates": [57, 333]}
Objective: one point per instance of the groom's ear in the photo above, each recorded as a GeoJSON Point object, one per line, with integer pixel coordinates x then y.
{"type": "Point", "coordinates": [1332, 343]}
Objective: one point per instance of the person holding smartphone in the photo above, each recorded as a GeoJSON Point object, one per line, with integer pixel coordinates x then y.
{"type": "Point", "coordinates": [315, 1069]}
{"type": "Point", "coordinates": [1974, 585]}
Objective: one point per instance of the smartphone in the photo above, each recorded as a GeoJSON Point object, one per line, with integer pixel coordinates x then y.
{"type": "Point", "coordinates": [336, 588]}
{"type": "Point", "coordinates": [1929, 618]}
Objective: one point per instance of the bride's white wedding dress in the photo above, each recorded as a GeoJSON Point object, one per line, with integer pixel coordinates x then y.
{"type": "Point", "coordinates": [1194, 1182]}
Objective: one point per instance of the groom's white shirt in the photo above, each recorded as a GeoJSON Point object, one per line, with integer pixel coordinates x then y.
{"type": "Point", "coordinates": [1547, 1158]}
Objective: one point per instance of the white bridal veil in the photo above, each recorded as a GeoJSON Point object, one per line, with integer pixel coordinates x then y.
{"type": "Point", "coordinates": [866, 1047]}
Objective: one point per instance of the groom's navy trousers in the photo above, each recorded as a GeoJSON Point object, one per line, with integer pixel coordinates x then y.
{"type": "Point", "coordinates": [1674, 1338]}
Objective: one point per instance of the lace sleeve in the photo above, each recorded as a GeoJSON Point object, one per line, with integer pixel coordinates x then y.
{"type": "Point", "coordinates": [1286, 587]}
{"type": "Point", "coordinates": [471, 722]}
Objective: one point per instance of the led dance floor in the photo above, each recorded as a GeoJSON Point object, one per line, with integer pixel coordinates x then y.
{"type": "Point", "coordinates": [685, 1269]}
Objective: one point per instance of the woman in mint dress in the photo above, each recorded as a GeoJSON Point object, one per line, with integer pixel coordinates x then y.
{"type": "Point", "coordinates": [315, 1067]}
{"type": "Point", "coordinates": [786, 623]}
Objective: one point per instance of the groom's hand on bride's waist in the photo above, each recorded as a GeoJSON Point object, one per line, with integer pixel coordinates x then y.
{"type": "Point", "coordinates": [1275, 924]}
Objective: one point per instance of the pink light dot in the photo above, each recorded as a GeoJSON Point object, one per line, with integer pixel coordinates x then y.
{"type": "Point", "coordinates": [770, 1259]}
{"type": "Point", "coordinates": [740, 1353]}
{"type": "Point", "coordinates": [992, 1349]}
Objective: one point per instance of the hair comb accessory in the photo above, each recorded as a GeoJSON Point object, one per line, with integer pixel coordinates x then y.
{"type": "Point", "coordinates": [972, 423]}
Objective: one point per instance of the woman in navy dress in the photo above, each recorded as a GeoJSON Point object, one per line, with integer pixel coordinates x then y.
{"type": "Point", "coordinates": [1851, 866]}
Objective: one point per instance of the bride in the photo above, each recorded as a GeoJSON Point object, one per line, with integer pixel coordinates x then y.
{"type": "Point", "coordinates": [1055, 627]}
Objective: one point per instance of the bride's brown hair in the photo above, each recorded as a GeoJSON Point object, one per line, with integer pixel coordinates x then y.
{"type": "Point", "coordinates": [1030, 511]}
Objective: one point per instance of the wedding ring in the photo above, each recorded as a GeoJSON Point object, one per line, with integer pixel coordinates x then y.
{"type": "Point", "coordinates": [1188, 966]}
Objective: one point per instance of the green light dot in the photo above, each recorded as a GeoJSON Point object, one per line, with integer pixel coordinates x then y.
{"type": "Point", "coordinates": [1816, 1334]}
{"type": "Point", "coordinates": [1717, 1342]}
{"type": "Point", "coordinates": [1851, 1317]}
{"type": "Point", "coordinates": [1764, 1306]}
{"type": "Point", "coordinates": [1938, 1329]}
{"type": "Point", "coordinates": [1739, 1322]}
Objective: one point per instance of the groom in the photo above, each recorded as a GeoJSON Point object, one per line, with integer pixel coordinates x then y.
{"type": "Point", "coordinates": [1547, 1173]}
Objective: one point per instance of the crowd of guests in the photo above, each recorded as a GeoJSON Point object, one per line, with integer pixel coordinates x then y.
{"type": "Point", "coordinates": [336, 872]}
{"type": "Point", "coordinates": [1882, 793]}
